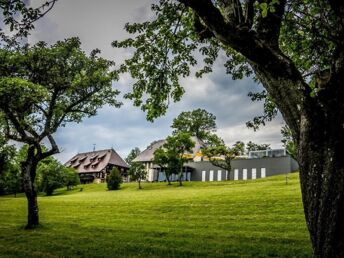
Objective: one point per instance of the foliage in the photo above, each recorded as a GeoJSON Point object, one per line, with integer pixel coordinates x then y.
{"type": "Point", "coordinates": [114, 179]}
{"type": "Point", "coordinates": [20, 18]}
{"type": "Point", "coordinates": [172, 155]}
{"type": "Point", "coordinates": [239, 147]}
{"type": "Point", "coordinates": [220, 155]}
{"type": "Point", "coordinates": [163, 55]}
{"type": "Point", "coordinates": [11, 180]}
{"type": "Point", "coordinates": [198, 122]}
{"type": "Point", "coordinates": [50, 176]}
{"type": "Point", "coordinates": [278, 229]}
{"type": "Point", "coordinates": [7, 153]}
{"type": "Point", "coordinates": [165, 162]}
{"type": "Point", "coordinates": [137, 172]}
{"type": "Point", "coordinates": [251, 146]}
{"type": "Point", "coordinates": [288, 142]}
{"type": "Point", "coordinates": [132, 155]}
{"type": "Point", "coordinates": [43, 88]}
{"type": "Point", "coordinates": [70, 178]}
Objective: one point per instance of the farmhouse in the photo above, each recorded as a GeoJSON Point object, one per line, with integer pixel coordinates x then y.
{"type": "Point", "coordinates": [96, 165]}
{"type": "Point", "coordinates": [258, 164]}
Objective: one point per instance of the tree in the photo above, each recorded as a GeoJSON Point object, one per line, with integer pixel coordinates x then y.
{"type": "Point", "coordinates": [43, 88]}
{"type": "Point", "coordinates": [11, 180]}
{"type": "Point", "coordinates": [71, 178]}
{"type": "Point", "coordinates": [251, 146]}
{"type": "Point", "coordinates": [198, 122]}
{"type": "Point", "coordinates": [50, 176]}
{"type": "Point", "coordinates": [114, 179]}
{"type": "Point", "coordinates": [293, 48]}
{"type": "Point", "coordinates": [7, 153]}
{"type": "Point", "coordinates": [137, 172]}
{"type": "Point", "coordinates": [288, 142]}
{"type": "Point", "coordinates": [220, 155]}
{"type": "Point", "coordinates": [161, 158]}
{"type": "Point", "coordinates": [132, 155]}
{"type": "Point", "coordinates": [174, 150]}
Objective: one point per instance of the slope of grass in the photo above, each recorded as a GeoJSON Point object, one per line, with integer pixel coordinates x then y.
{"type": "Point", "coordinates": [261, 218]}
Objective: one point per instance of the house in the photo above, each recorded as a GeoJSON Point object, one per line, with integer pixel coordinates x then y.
{"type": "Point", "coordinates": [154, 172]}
{"type": "Point", "coordinates": [258, 164]}
{"type": "Point", "coordinates": [96, 165]}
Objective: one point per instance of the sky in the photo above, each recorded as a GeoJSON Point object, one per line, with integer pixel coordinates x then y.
{"type": "Point", "coordinates": [97, 24]}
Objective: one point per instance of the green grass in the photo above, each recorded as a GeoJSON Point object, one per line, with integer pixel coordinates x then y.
{"type": "Point", "coordinates": [261, 218]}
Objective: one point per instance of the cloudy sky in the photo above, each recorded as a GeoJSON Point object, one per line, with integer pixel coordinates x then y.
{"type": "Point", "coordinates": [97, 24]}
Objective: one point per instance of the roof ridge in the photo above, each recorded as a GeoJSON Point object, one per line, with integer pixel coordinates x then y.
{"type": "Point", "coordinates": [94, 151]}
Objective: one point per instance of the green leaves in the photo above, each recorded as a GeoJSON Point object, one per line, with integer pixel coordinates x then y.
{"type": "Point", "coordinates": [20, 18]}
{"type": "Point", "coordinates": [164, 53]}
{"type": "Point", "coordinates": [21, 95]}
{"type": "Point", "coordinates": [198, 122]}
{"type": "Point", "coordinates": [42, 88]}
{"type": "Point", "coordinates": [171, 156]}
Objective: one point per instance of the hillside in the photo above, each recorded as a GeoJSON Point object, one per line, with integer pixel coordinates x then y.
{"type": "Point", "coordinates": [262, 218]}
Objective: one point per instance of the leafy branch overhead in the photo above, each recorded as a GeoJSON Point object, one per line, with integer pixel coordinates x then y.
{"type": "Point", "coordinates": [19, 18]}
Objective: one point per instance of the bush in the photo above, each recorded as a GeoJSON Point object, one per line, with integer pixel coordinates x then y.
{"type": "Point", "coordinates": [114, 180]}
{"type": "Point", "coordinates": [51, 177]}
{"type": "Point", "coordinates": [71, 178]}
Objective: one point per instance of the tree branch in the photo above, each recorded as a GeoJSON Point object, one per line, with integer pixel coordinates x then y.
{"type": "Point", "coordinates": [268, 28]}
{"type": "Point", "coordinates": [249, 13]}
{"type": "Point", "coordinates": [233, 12]}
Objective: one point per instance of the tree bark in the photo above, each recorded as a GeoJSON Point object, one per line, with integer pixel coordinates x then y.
{"type": "Point", "coordinates": [29, 174]}
{"type": "Point", "coordinates": [322, 181]}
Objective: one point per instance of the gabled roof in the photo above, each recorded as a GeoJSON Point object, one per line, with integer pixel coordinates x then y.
{"type": "Point", "coordinates": [95, 161]}
{"type": "Point", "coordinates": [148, 154]}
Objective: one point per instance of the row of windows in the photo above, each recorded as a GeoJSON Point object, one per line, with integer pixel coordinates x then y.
{"type": "Point", "coordinates": [244, 173]}
{"type": "Point", "coordinates": [238, 175]}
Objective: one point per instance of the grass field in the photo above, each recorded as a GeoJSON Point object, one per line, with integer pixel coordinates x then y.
{"type": "Point", "coordinates": [261, 218]}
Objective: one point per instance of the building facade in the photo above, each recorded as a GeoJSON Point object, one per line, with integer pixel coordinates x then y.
{"type": "Point", "coordinates": [258, 164]}
{"type": "Point", "coordinates": [96, 165]}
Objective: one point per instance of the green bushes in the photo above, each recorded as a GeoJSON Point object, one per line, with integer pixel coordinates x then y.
{"type": "Point", "coordinates": [114, 180]}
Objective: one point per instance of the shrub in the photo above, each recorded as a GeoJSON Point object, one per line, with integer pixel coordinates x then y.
{"type": "Point", "coordinates": [114, 180]}
{"type": "Point", "coordinates": [71, 178]}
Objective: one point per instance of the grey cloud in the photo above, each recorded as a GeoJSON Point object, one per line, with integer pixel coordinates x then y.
{"type": "Point", "coordinates": [98, 23]}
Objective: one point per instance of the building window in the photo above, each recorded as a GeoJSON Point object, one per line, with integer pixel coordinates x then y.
{"type": "Point", "coordinates": [219, 175]}
{"type": "Point", "coordinates": [254, 173]}
{"type": "Point", "coordinates": [236, 174]}
{"type": "Point", "coordinates": [263, 172]}
{"type": "Point", "coordinates": [244, 174]}
{"type": "Point", "coordinates": [211, 175]}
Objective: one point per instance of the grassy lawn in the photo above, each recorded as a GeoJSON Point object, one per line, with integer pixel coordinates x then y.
{"type": "Point", "coordinates": [261, 218]}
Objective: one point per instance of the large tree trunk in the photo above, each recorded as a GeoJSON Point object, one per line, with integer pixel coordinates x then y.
{"type": "Point", "coordinates": [322, 182]}
{"type": "Point", "coordinates": [29, 175]}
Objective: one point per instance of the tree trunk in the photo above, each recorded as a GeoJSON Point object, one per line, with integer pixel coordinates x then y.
{"type": "Point", "coordinates": [321, 163]}
{"type": "Point", "coordinates": [168, 178]}
{"type": "Point", "coordinates": [139, 184]}
{"type": "Point", "coordinates": [29, 175]}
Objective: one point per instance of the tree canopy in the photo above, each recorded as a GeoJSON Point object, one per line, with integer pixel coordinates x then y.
{"type": "Point", "coordinates": [172, 155]}
{"type": "Point", "coordinates": [43, 88]}
{"type": "Point", "coordinates": [198, 122]}
{"type": "Point", "coordinates": [132, 155]}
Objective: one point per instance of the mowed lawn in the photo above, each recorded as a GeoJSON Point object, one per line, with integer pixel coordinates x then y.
{"type": "Point", "coordinates": [261, 218]}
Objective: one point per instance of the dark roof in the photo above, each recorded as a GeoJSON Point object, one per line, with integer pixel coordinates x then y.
{"type": "Point", "coordinates": [95, 161]}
